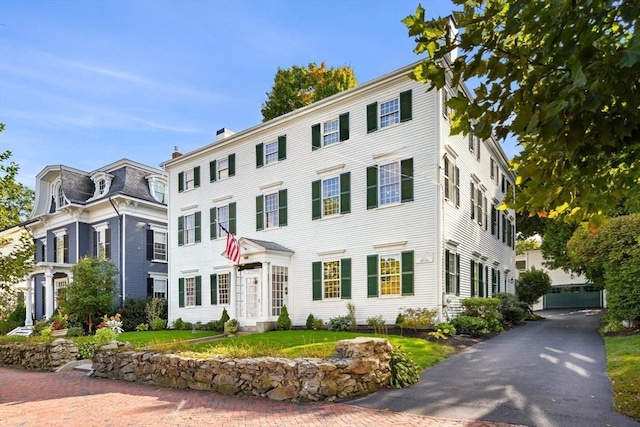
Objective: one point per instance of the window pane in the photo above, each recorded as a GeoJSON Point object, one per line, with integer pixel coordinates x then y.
{"type": "Point", "coordinates": [330, 132]}
{"type": "Point", "coordinates": [223, 168]}
{"type": "Point", "coordinates": [389, 113]}
{"type": "Point", "coordinates": [389, 183]}
{"type": "Point", "coordinates": [188, 179]}
{"type": "Point", "coordinates": [330, 196]}
{"type": "Point", "coordinates": [331, 279]}
{"type": "Point", "coordinates": [271, 210]}
{"type": "Point", "coordinates": [190, 291]}
{"type": "Point", "coordinates": [159, 245]}
{"type": "Point", "coordinates": [271, 152]}
{"type": "Point", "coordinates": [223, 288]}
{"type": "Point", "coordinates": [189, 229]}
{"type": "Point", "coordinates": [223, 220]}
{"type": "Point", "coordinates": [390, 274]}
{"type": "Point", "coordinates": [280, 281]}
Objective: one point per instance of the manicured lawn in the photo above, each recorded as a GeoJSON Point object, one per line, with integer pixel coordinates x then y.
{"type": "Point", "coordinates": [143, 338]}
{"type": "Point", "coordinates": [320, 344]}
{"type": "Point", "coordinates": [623, 366]}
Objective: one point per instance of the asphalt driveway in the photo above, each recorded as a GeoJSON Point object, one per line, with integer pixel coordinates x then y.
{"type": "Point", "coordinates": [547, 373]}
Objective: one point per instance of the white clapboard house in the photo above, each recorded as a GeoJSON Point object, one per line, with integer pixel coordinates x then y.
{"type": "Point", "coordinates": [363, 197]}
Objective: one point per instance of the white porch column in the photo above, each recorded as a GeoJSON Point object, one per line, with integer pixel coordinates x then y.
{"type": "Point", "coordinates": [233, 283]}
{"type": "Point", "coordinates": [28, 320]}
{"type": "Point", "coordinates": [264, 294]}
{"type": "Point", "coordinates": [48, 286]}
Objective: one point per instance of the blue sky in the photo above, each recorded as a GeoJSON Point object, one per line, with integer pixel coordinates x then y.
{"type": "Point", "coordinates": [86, 83]}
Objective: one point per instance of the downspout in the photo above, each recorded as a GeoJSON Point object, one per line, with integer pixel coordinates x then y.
{"type": "Point", "coordinates": [122, 245]}
{"type": "Point", "coordinates": [440, 213]}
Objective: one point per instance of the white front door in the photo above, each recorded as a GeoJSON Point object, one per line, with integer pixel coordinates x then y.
{"type": "Point", "coordinates": [249, 293]}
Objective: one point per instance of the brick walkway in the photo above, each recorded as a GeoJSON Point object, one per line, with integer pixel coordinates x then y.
{"type": "Point", "coordinates": [69, 399]}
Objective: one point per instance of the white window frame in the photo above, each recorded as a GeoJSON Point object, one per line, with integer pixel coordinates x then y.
{"type": "Point", "coordinates": [389, 193]}
{"type": "Point", "coordinates": [396, 278]}
{"type": "Point", "coordinates": [60, 246]}
{"type": "Point", "coordinates": [453, 272]}
{"type": "Point", "coordinates": [190, 291]}
{"type": "Point", "coordinates": [451, 181]}
{"type": "Point", "coordinates": [271, 152]}
{"type": "Point", "coordinates": [330, 132]}
{"type": "Point", "coordinates": [271, 210]}
{"type": "Point", "coordinates": [389, 112]}
{"type": "Point", "coordinates": [223, 168]}
{"type": "Point", "coordinates": [160, 248]}
{"type": "Point", "coordinates": [222, 220]}
{"type": "Point", "coordinates": [160, 285]}
{"type": "Point", "coordinates": [331, 285]}
{"type": "Point", "coordinates": [224, 288]}
{"type": "Point", "coordinates": [59, 284]}
{"type": "Point", "coordinates": [61, 200]}
{"type": "Point", "coordinates": [189, 179]}
{"type": "Point", "coordinates": [100, 238]}
{"type": "Point", "coordinates": [280, 287]}
{"type": "Point", "coordinates": [190, 229]}
{"type": "Point", "coordinates": [330, 196]}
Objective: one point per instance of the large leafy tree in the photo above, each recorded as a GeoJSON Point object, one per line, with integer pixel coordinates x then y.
{"type": "Point", "coordinates": [298, 86]}
{"type": "Point", "coordinates": [16, 254]}
{"type": "Point", "coordinates": [91, 293]}
{"type": "Point", "coordinates": [563, 78]}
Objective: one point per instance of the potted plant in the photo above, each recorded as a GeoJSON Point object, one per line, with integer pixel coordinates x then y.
{"type": "Point", "coordinates": [59, 325]}
{"type": "Point", "coordinates": [231, 326]}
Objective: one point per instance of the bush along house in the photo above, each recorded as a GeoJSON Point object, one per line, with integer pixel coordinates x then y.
{"type": "Point", "coordinates": [118, 211]}
{"type": "Point", "coordinates": [362, 197]}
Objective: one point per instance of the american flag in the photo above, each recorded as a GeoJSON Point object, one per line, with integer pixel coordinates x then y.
{"type": "Point", "coordinates": [233, 247]}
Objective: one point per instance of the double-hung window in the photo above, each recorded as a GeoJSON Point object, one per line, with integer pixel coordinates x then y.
{"type": "Point", "coordinates": [61, 247]}
{"type": "Point", "coordinates": [60, 199]}
{"type": "Point", "coordinates": [189, 179]}
{"type": "Point", "coordinates": [390, 112]}
{"type": "Point", "coordinates": [220, 288]}
{"type": "Point", "coordinates": [271, 152]}
{"type": "Point", "coordinates": [271, 210]}
{"type": "Point", "coordinates": [331, 196]}
{"type": "Point", "coordinates": [189, 228]}
{"type": "Point", "coordinates": [190, 291]}
{"type": "Point", "coordinates": [332, 279]}
{"type": "Point", "coordinates": [390, 183]}
{"type": "Point", "coordinates": [222, 168]}
{"type": "Point", "coordinates": [222, 219]}
{"type": "Point", "coordinates": [452, 272]}
{"type": "Point", "coordinates": [451, 182]}
{"type": "Point", "coordinates": [159, 287]}
{"type": "Point", "coordinates": [330, 132]}
{"type": "Point", "coordinates": [160, 245]}
{"type": "Point", "coordinates": [390, 274]}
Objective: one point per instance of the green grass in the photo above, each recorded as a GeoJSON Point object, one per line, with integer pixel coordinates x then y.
{"type": "Point", "coordinates": [319, 344]}
{"type": "Point", "coordinates": [623, 366]}
{"type": "Point", "coordinates": [144, 338]}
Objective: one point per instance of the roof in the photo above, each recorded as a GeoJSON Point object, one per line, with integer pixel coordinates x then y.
{"type": "Point", "coordinates": [272, 246]}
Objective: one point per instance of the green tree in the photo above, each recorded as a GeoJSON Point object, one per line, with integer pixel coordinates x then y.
{"type": "Point", "coordinates": [91, 293]}
{"type": "Point", "coordinates": [610, 257]}
{"type": "Point", "coordinates": [563, 78]}
{"type": "Point", "coordinates": [532, 285]}
{"type": "Point", "coordinates": [526, 245]}
{"type": "Point", "coordinates": [554, 244]}
{"type": "Point", "coordinates": [16, 257]}
{"type": "Point", "coordinates": [298, 86]}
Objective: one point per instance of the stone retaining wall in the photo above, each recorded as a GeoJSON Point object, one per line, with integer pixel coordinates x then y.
{"type": "Point", "coordinates": [360, 367]}
{"type": "Point", "coordinates": [38, 356]}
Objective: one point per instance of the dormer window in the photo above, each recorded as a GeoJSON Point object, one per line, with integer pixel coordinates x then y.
{"type": "Point", "coordinates": [60, 199]}
{"type": "Point", "coordinates": [157, 187]}
{"type": "Point", "coordinates": [101, 182]}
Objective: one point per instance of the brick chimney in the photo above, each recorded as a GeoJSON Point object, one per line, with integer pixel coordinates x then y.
{"type": "Point", "coordinates": [175, 153]}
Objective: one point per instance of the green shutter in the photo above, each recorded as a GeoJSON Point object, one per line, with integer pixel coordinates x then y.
{"type": "Point", "coordinates": [345, 278]}
{"type": "Point", "coordinates": [493, 219]}
{"type": "Point", "coordinates": [232, 218]}
{"type": "Point", "coordinates": [213, 232]}
{"type": "Point", "coordinates": [214, 288]}
{"type": "Point", "coordinates": [372, 187]}
{"type": "Point", "coordinates": [473, 277]}
{"type": "Point", "coordinates": [472, 188]}
{"type": "Point", "coordinates": [447, 269]}
{"type": "Point", "coordinates": [196, 177]}
{"type": "Point", "coordinates": [498, 281]}
{"type": "Point", "coordinates": [316, 280]}
{"type": "Point", "coordinates": [282, 147]}
{"type": "Point", "coordinates": [282, 208]}
{"type": "Point", "coordinates": [181, 292]}
{"type": "Point", "coordinates": [198, 290]}
{"type": "Point", "coordinates": [232, 164]}
{"type": "Point", "coordinates": [316, 137]}
{"type": "Point", "coordinates": [316, 200]}
{"type": "Point", "coordinates": [212, 171]}
{"type": "Point", "coordinates": [480, 280]}
{"type": "Point", "coordinates": [259, 213]}
{"type": "Point", "coordinates": [259, 155]}
{"type": "Point", "coordinates": [457, 274]}
{"type": "Point", "coordinates": [407, 273]}
{"type": "Point", "coordinates": [180, 231]}
{"type": "Point", "coordinates": [406, 182]}
{"type": "Point", "coordinates": [457, 172]}
{"type": "Point", "coordinates": [344, 126]}
{"type": "Point", "coordinates": [372, 117]}
{"type": "Point", "coordinates": [181, 182]}
{"type": "Point", "coordinates": [405, 106]}
{"type": "Point", "coordinates": [198, 229]}
{"type": "Point", "coordinates": [372, 276]}
{"type": "Point", "coordinates": [345, 192]}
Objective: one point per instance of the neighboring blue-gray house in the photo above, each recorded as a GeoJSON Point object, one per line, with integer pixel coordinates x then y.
{"type": "Point", "coordinates": [118, 211]}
